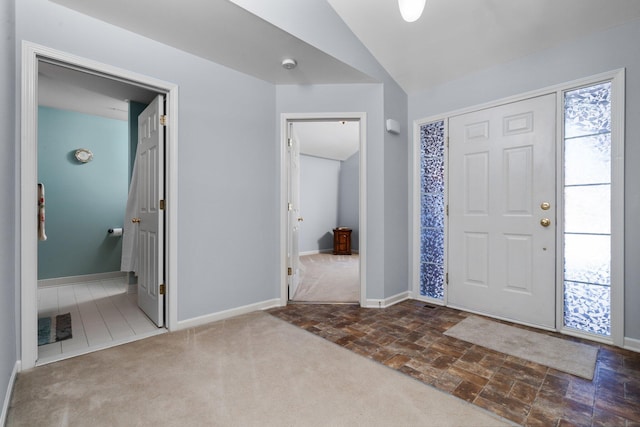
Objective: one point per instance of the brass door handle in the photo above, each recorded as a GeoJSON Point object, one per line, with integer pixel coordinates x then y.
{"type": "Point", "coordinates": [135, 220]}
{"type": "Point", "coordinates": [545, 222]}
{"type": "Point", "coordinates": [300, 219]}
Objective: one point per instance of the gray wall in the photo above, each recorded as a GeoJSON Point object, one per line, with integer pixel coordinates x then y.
{"type": "Point", "coordinates": [349, 197]}
{"type": "Point", "coordinates": [224, 176]}
{"type": "Point", "coordinates": [315, 22]}
{"type": "Point", "coordinates": [319, 189]}
{"type": "Point", "coordinates": [9, 313]}
{"type": "Point", "coordinates": [329, 198]}
{"type": "Point", "coordinates": [604, 51]}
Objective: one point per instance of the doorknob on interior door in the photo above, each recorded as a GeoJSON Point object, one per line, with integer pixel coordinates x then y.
{"type": "Point", "coordinates": [135, 220]}
{"type": "Point", "coordinates": [545, 222]}
{"type": "Point", "coordinates": [300, 219]}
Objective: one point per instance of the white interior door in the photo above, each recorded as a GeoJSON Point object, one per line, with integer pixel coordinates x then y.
{"type": "Point", "coordinates": [150, 218]}
{"type": "Point", "coordinates": [294, 218]}
{"type": "Point", "coordinates": [502, 225]}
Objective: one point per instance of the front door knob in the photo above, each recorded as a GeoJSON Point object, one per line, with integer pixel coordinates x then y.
{"type": "Point", "coordinates": [545, 222]}
{"type": "Point", "coordinates": [135, 220]}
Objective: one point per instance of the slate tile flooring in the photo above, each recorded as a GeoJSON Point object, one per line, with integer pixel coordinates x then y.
{"type": "Point", "coordinates": [409, 337]}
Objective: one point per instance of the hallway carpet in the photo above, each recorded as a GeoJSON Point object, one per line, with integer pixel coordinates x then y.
{"type": "Point", "coordinates": [253, 370]}
{"type": "Point", "coordinates": [329, 278]}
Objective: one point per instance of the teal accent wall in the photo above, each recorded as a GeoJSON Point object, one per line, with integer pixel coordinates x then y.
{"type": "Point", "coordinates": [82, 201]}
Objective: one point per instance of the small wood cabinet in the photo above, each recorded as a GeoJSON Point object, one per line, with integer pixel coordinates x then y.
{"type": "Point", "coordinates": [342, 241]}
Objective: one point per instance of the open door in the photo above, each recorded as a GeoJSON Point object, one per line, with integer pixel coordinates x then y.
{"type": "Point", "coordinates": [150, 214]}
{"type": "Point", "coordinates": [294, 218]}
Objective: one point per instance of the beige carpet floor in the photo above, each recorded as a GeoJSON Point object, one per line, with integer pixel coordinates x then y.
{"type": "Point", "coordinates": [253, 370]}
{"type": "Point", "coordinates": [329, 278]}
{"type": "Point", "coordinates": [566, 356]}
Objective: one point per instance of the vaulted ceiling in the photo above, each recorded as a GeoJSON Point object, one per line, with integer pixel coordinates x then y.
{"type": "Point", "coordinates": [451, 39]}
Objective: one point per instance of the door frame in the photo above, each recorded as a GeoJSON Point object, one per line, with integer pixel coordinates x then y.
{"type": "Point", "coordinates": [617, 78]}
{"type": "Point", "coordinates": [285, 118]}
{"type": "Point", "coordinates": [28, 178]}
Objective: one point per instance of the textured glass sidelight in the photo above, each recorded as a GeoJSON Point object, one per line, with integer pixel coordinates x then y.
{"type": "Point", "coordinates": [432, 210]}
{"type": "Point", "coordinates": [587, 209]}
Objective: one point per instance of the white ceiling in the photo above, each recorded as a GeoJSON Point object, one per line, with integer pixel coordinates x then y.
{"type": "Point", "coordinates": [336, 140]}
{"type": "Point", "coordinates": [458, 37]}
{"type": "Point", "coordinates": [451, 39]}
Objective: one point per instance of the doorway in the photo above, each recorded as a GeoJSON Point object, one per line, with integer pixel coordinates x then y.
{"type": "Point", "coordinates": [325, 163]}
{"type": "Point", "coordinates": [466, 171]}
{"type": "Point", "coordinates": [322, 177]}
{"type": "Point", "coordinates": [33, 55]}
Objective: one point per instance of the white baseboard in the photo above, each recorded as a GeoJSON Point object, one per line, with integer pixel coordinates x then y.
{"type": "Point", "coordinates": [9, 393]}
{"type": "Point", "coordinates": [57, 281]}
{"type": "Point", "coordinates": [632, 344]}
{"type": "Point", "coordinates": [387, 302]}
{"type": "Point", "coordinates": [221, 315]}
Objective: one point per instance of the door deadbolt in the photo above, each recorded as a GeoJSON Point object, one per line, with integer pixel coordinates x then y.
{"type": "Point", "coordinates": [545, 206]}
{"type": "Point", "coordinates": [545, 222]}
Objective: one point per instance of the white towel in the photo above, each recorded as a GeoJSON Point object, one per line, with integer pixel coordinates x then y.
{"type": "Point", "coordinates": [41, 232]}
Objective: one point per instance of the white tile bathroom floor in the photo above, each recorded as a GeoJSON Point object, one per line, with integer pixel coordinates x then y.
{"type": "Point", "coordinates": [103, 314]}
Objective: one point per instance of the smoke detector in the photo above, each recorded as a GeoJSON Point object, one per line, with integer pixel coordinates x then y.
{"type": "Point", "coordinates": [289, 64]}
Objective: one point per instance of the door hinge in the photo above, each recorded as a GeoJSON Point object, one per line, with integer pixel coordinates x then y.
{"type": "Point", "coordinates": [163, 120]}
{"type": "Point", "coordinates": [289, 206]}
{"type": "Point", "coordinates": [446, 278]}
{"type": "Point", "coordinates": [162, 204]}
{"type": "Point", "coordinates": [162, 289]}
{"type": "Point", "coordinates": [289, 142]}
{"type": "Point", "coordinates": [447, 210]}
{"type": "Point", "coordinates": [289, 271]}
{"type": "Point", "coordinates": [447, 142]}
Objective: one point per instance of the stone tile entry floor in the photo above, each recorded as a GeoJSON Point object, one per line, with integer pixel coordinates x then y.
{"type": "Point", "coordinates": [409, 337]}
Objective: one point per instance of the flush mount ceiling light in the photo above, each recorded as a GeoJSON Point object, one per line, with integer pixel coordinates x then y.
{"type": "Point", "coordinates": [289, 63]}
{"type": "Point", "coordinates": [411, 9]}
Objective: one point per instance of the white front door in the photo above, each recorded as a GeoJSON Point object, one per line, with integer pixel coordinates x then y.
{"type": "Point", "coordinates": [150, 218]}
{"type": "Point", "coordinates": [294, 218]}
{"type": "Point", "coordinates": [502, 223]}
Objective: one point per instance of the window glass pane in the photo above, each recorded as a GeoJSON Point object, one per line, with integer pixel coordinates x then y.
{"type": "Point", "coordinates": [587, 258]}
{"type": "Point", "coordinates": [588, 111]}
{"type": "Point", "coordinates": [431, 281]}
{"type": "Point", "coordinates": [587, 209]}
{"type": "Point", "coordinates": [432, 210]}
{"type": "Point", "coordinates": [587, 307]}
{"type": "Point", "coordinates": [587, 160]}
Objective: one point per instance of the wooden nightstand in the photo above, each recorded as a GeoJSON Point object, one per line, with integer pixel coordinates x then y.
{"type": "Point", "coordinates": [342, 241]}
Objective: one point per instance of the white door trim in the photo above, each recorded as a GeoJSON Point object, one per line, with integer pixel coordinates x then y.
{"type": "Point", "coordinates": [285, 118]}
{"type": "Point", "coordinates": [617, 77]}
{"type": "Point", "coordinates": [28, 174]}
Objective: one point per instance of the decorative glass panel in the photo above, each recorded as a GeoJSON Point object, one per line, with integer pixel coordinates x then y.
{"type": "Point", "coordinates": [587, 111]}
{"type": "Point", "coordinates": [432, 210]}
{"type": "Point", "coordinates": [587, 307]}
{"type": "Point", "coordinates": [587, 258]}
{"type": "Point", "coordinates": [587, 160]}
{"type": "Point", "coordinates": [588, 209]}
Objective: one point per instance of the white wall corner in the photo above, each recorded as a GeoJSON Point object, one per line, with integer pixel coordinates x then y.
{"type": "Point", "coordinates": [632, 344]}
{"type": "Point", "coordinates": [226, 314]}
{"type": "Point", "coordinates": [387, 302]}
{"type": "Point", "coordinates": [9, 393]}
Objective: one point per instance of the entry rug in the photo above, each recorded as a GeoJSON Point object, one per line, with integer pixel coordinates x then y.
{"type": "Point", "coordinates": [54, 329]}
{"type": "Point", "coordinates": [567, 356]}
